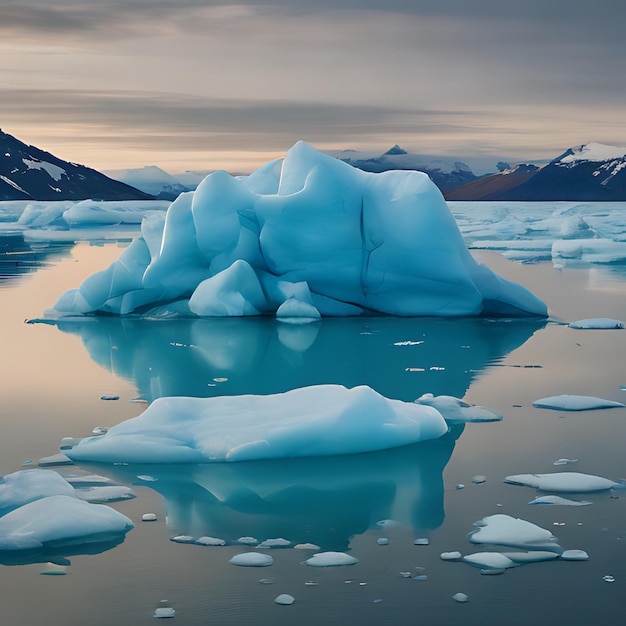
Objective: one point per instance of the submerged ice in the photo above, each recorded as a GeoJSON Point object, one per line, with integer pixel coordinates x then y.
{"type": "Point", "coordinates": [311, 421]}
{"type": "Point", "coordinates": [303, 236]}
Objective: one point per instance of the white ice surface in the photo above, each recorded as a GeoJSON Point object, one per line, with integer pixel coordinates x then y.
{"type": "Point", "coordinates": [601, 323]}
{"type": "Point", "coordinates": [308, 228]}
{"type": "Point", "coordinates": [252, 559]}
{"type": "Point", "coordinates": [26, 486]}
{"type": "Point", "coordinates": [510, 531]}
{"type": "Point", "coordinates": [331, 559]}
{"type": "Point", "coordinates": [564, 482]}
{"type": "Point", "coordinates": [558, 500]}
{"type": "Point", "coordinates": [311, 421]}
{"type": "Point", "coordinates": [568, 402]}
{"type": "Point", "coordinates": [458, 411]}
{"type": "Point", "coordinates": [59, 520]}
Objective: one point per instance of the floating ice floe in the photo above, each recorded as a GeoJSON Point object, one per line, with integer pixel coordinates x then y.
{"type": "Point", "coordinates": [558, 500]}
{"type": "Point", "coordinates": [279, 542]}
{"type": "Point", "coordinates": [505, 530]}
{"type": "Point", "coordinates": [457, 411]}
{"type": "Point", "coordinates": [311, 421]}
{"type": "Point", "coordinates": [284, 599]}
{"type": "Point", "coordinates": [148, 517]}
{"type": "Point", "coordinates": [24, 486]}
{"type": "Point", "coordinates": [564, 461]}
{"type": "Point", "coordinates": [60, 520]}
{"type": "Point", "coordinates": [460, 597]}
{"type": "Point", "coordinates": [108, 493]}
{"type": "Point", "coordinates": [210, 541]}
{"type": "Point", "coordinates": [565, 482]}
{"type": "Point", "coordinates": [450, 556]}
{"type": "Point", "coordinates": [574, 555]}
{"type": "Point", "coordinates": [306, 546]}
{"type": "Point", "coordinates": [382, 541]}
{"type": "Point", "coordinates": [307, 235]}
{"type": "Point", "coordinates": [600, 323]}
{"type": "Point", "coordinates": [575, 403]}
{"type": "Point", "coordinates": [507, 560]}
{"type": "Point", "coordinates": [252, 559]}
{"type": "Point", "coordinates": [55, 459]}
{"type": "Point", "coordinates": [331, 559]}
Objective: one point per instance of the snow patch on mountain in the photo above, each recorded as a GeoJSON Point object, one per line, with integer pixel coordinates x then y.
{"type": "Point", "coordinates": [54, 171]}
{"type": "Point", "coordinates": [593, 152]}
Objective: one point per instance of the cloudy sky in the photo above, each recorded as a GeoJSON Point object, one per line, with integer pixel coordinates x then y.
{"type": "Point", "coordinates": [191, 84]}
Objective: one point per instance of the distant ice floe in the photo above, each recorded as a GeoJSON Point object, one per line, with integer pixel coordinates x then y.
{"type": "Point", "coordinates": [507, 560]}
{"type": "Point", "coordinates": [566, 233]}
{"type": "Point", "coordinates": [303, 237]}
{"type": "Point", "coordinates": [564, 482]}
{"type": "Point", "coordinates": [310, 421]}
{"type": "Point", "coordinates": [558, 500]}
{"type": "Point", "coordinates": [252, 559]}
{"type": "Point", "coordinates": [331, 559]}
{"type": "Point", "coordinates": [601, 323]}
{"type": "Point", "coordinates": [510, 531]}
{"type": "Point", "coordinates": [458, 411]}
{"type": "Point", "coordinates": [568, 402]}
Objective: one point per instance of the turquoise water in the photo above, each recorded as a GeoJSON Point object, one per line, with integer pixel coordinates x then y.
{"type": "Point", "coordinates": [53, 378]}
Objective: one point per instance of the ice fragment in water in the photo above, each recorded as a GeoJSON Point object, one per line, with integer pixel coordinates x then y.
{"type": "Point", "coordinates": [450, 556]}
{"type": "Point", "coordinates": [421, 541]}
{"type": "Point", "coordinates": [608, 578]}
{"type": "Point", "coordinates": [458, 411]}
{"type": "Point", "coordinates": [479, 479]}
{"type": "Point", "coordinates": [602, 323]}
{"type": "Point", "coordinates": [52, 569]}
{"type": "Point", "coordinates": [564, 482]}
{"type": "Point", "coordinates": [420, 577]}
{"type": "Point", "coordinates": [382, 541]}
{"type": "Point", "coordinates": [210, 541]}
{"type": "Point", "coordinates": [459, 486]}
{"type": "Point", "coordinates": [164, 611]}
{"type": "Point", "coordinates": [574, 555]}
{"type": "Point", "coordinates": [252, 559]}
{"type": "Point", "coordinates": [148, 517]}
{"type": "Point", "coordinates": [107, 493]}
{"type": "Point", "coordinates": [306, 546]}
{"type": "Point", "coordinates": [559, 501]}
{"type": "Point", "coordinates": [460, 597]}
{"type": "Point", "coordinates": [182, 539]}
{"type": "Point", "coordinates": [248, 541]}
{"type": "Point", "coordinates": [55, 459]}
{"type": "Point", "coordinates": [285, 599]}
{"type": "Point", "coordinates": [510, 531]}
{"type": "Point", "coordinates": [575, 403]}
{"type": "Point", "coordinates": [331, 559]}
{"type": "Point", "coordinates": [109, 397]}
{"type": "Point", "coordinates": [275, 543]}
{"type": "Point", "coordinates": [565, 461]}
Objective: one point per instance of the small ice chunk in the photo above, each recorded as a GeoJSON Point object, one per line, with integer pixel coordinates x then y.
{"type": "Point", "coordinates": [182, 539]}
{"type": "Point", "coordinates": [489, 560]}
{"type": "Point", "coordinates": [108, 493]}
{"type": "Point", "coordinates": [52, 569]}
{"type": "Point", "coordinates": [109, 397]}
{"type": "Point", "coordinates": [210, 541]}
{"type": "Point", "coordinates": [331, 559]}
{"type": "Point", "coordinates": [55, 459]}
{"type": "Point", "coordinates": [460, 597]}
{"type": "Point", "coordinates": [421, 541]}
{"type": "Point", "coordinates": [306, 546]}
{"type": "Point", "coordinates": [275, 543]}
{"type": "Point", "coordinates": [608, 578]}
{"type": "Point", "coordinates": [284, 599]}
{"type": "Point", "coordinates": [248, 541]}
{"type": "Point", "coordinates": [574, 555]}
{"type": "Point", "coordinates": [148, 517]}
{"type": "Point", "coordinates": [420, 577]}
{"type": "Point", "coordinates": [559, 501]}
{"type": "Point", "coordinates": [456, 410]}
{"type": "Point", "coordinates": [575, 403]}
{"type": "Point", "coordinates": [164, 611]}
{"type": "Point", "coordinates": [510, 531]}
{"type": "Point", "coordinates": [147, 478]}
{"type": "Point", "coordinates": [565, 482]}
{"type": "Point", "coordinates": [601, 323]}
{"type": "Point", "coordinates": [100, 430]}
{"type": "Point", "coordinates": [450, 556]}
{"type": "Point", "coordinates": [565, 461]}
{"type": "Point", "coordinates": [459, 486]}
{"type": "Point", "coordinates": [479, 479]}
{"type": "Point", "coordinates": [382, 541]}
{"type": "Point", "coordinates": [251, 559]}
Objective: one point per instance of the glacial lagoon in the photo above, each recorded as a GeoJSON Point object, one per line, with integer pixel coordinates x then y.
{"type": "Point", "coordinates": [54, 376]}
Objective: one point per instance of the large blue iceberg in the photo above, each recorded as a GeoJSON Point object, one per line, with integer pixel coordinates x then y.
{"type": "Point", "coordinates": [302, 237]}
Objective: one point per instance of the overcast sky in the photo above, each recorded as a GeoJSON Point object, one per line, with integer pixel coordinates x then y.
{"type": "Point", "coordinates": [186, 84]}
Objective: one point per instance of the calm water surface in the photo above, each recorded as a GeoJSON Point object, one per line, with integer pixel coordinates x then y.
{"type": "Point", "coordinates": [53, 378]}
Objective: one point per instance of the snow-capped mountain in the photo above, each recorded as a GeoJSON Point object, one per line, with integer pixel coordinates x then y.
{"type": "Point", "coordinates": [591, 172]}
{"type": "Point", "coordinates": [447, 174]}
{"type": "Point", "coordinates": [157, 182]}
{"type": "Point", "coordinates": [28, 173]}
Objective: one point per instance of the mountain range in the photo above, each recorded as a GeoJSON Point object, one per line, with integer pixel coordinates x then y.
{"type": "Point", "coordinates": [28, 173]}
{"type": "Point", "coordinates": [591, 172]}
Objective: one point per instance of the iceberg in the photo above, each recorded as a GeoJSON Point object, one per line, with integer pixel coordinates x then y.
{"type": "Point", "coordinates": [601, 323]}
{"type": "Point", "coordinates": [303, 236]}
{"type": "Point", "coordinates": [319, 420]}
{"type": "Point", "coordinates": [564, 482]}
{"type": "Point", "coordinates": [60, 520]}
{"type": "Point", "coordinates": [575, 403]}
